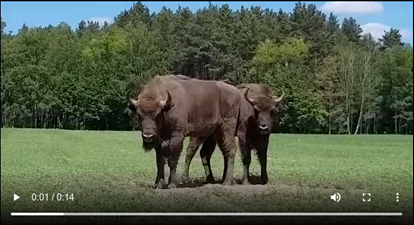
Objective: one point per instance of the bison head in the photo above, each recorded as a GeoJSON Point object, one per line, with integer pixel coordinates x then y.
{"type": "Point", "coordinates": [264, 107]}
{"type": "Point", "coordinates": [149, 109]}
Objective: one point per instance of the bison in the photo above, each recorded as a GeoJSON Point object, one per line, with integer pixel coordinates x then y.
{"type": "Point", "coordinates": [255, 123]}
{"type": "Point", "coordinates": [173, 107]}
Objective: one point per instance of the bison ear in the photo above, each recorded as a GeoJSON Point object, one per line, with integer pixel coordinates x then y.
{"type": "Point", "coordinates": [167, 104]}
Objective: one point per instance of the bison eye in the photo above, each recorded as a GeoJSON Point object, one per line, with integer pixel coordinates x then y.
{"type": "Point", "coordinates": [138, 113]}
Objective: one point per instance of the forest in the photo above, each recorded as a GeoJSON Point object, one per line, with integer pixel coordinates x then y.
{"type": "Point", "coordinates": [337, 80]}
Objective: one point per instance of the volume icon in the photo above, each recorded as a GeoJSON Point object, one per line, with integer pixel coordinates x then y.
{"type": "Point", "coordinates": [336, 197]}
{"type": "Point", "coordinates": [398, 197]}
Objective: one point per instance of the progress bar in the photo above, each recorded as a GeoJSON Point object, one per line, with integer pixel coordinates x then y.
{"type": "Point", "coordinates": [203, 214]}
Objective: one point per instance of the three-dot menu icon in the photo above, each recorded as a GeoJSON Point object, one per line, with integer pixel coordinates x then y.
{"type": "Point", "coordinates": [398, 197]}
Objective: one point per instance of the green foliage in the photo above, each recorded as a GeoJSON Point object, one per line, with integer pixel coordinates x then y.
{"type": "Point", "coordinates": [336, 80]}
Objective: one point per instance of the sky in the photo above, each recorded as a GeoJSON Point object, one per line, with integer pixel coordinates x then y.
{"type": "Point", "coordinates": [374, 17]}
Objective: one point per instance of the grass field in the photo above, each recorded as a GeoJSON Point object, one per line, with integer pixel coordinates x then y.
{"type": "Point", "coordinates": [108, 171]}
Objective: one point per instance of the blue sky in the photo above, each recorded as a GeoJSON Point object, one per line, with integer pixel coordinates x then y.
{"type": "Point", "coordinates": [374, 17]}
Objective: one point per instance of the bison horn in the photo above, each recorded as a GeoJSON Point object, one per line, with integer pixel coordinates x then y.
{"type": "Point", "coordinates": [280, 98]}
{"type": "Point", "coordinates": [166, 102]}
{"type": "Point", "coordinates": [251, 100]}
{"type": "Point", "coordinates": [133, 102]}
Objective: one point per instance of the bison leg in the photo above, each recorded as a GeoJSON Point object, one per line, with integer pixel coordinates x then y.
{"type": "Point", "coordinates": [261, 148]}
{"type": "Point", "coordinates": [246, 158]}
{"type": "Point", "coordinates": [159, 180]}
{"type": "Point", "coordinates": [263, 163]}
{"type": "Point", "coordinates": [227, 144]}
{"type": "Point", "coordinates": [205, 153]}
{"type": "Point", "coordinates": [176, 145]}
{"type": "Point", "coordinates": [192, 148]}
{"type": "Point", "coordinates": [172, 163]}
{"type": "Point", "coordinates": [223, 177]}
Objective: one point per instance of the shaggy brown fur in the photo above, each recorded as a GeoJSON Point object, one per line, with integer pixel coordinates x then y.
{"type": "Point", "coordinates": [172, 107]}
{"type": "Point", "coordinates": [254, 126]}
{"type": "Point", "coordinates": [261, 88]}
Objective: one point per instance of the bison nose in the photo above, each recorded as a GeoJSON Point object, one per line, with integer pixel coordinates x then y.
{"type": "Point", "coordinates": [264, 129]}
{"type": "Point", "coordinates": [147, 137]}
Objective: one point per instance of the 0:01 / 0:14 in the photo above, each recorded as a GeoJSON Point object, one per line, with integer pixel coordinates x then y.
{"type": "Point", "coordinates": [52, 197]}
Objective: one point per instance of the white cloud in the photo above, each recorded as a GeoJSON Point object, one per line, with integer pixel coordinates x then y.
{"type": "Point", "coordinates": [101, 20]}
{"type": "Point", "coordinates": [405, 33]}
{"type": "Point", "coordinates": [352, 7]}
{"type": "Point", "coordinates": [378, 29]}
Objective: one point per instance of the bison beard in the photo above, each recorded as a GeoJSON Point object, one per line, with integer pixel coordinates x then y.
{"type": "Point", "coordinates": [148, 146]}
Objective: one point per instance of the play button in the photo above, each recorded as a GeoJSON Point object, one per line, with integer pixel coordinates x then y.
{"type": "Point", "coordinates": [16, 197]}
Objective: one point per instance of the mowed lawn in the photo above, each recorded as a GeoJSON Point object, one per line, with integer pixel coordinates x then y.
{"type": "Point", "coordinates": [109, 172]}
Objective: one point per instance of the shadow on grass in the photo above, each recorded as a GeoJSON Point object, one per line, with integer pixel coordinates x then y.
{"type": "Point", "coordinates": [253, 178]}
{"type": "Point", "coordinates": [199, 182]}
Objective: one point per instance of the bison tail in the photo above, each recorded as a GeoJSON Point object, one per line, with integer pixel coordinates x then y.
{"type": "Point", "coordinates": [237, 121]}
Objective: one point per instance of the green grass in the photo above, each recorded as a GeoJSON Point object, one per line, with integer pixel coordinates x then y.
{"type": "Point", "coordinates": [108, 171]}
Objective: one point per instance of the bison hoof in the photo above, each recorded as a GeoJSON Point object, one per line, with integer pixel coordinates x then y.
{"type": "Point", "coordinates": [172, 186]}
{"type": "Point", "coordinates": [159, 185]}
{"type": "Point", "coordinates": [228, 182]}
{"type": "Point", "coordinates": [210, 180]}
{"type": "Point", "coordinates": [264, 180]}
{"type": "Point", "coordinates": [246, 182]}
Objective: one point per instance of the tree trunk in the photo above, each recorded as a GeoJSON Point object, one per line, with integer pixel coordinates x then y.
{"type": "Point", "coordinates": [395, 122]}
{"type": "Point", "coordinates": [35, 116]}
{"type": "Point", "coordinates": [399, 126]}
{"type": "Point", "coordinates": [347, 106]}
{"type": "Point", "coordinates": [348, 124]}
{"type": "Point", "coordinates": [45, 119]}
{"type": "Point", "coordinates": [329, 124]}
{"type": "Point", "coordinates": [359, 117]}
{"type": "Point", "coordinates": [351, 119]}
{"type": "Point", "coordinates": [406, 126]}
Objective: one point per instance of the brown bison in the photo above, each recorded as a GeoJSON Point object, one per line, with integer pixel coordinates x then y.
{"type": "Point", "coordinates": [172, 107]}
{"type": "Point", "coordinates": [255, 123]}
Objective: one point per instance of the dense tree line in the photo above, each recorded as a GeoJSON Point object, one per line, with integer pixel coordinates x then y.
{"type": "Point", "coordinates": [337, 80]}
